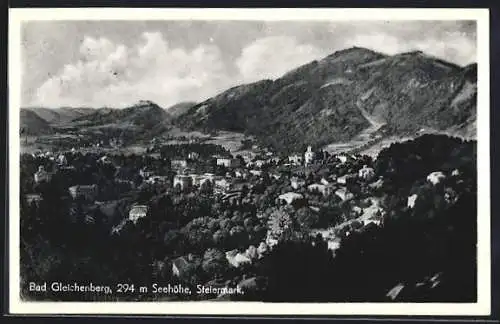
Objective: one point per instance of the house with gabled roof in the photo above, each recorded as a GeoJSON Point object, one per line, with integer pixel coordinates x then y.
{"type": "Point", "coordinates": [88, 192]}
{"type": "Point", "coordinates": [290, 197]}
{"type": "Point", "coordinates": [179, 266]}
{"type": "Point", "coordinates": [33, 198]}
{"type": "Point", "coordinates": [228, 162]}
{"type": "Point", "coordinates": [137, 212]}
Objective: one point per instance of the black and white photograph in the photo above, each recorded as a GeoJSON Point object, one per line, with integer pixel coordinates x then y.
{"type": "Point", "coordinates": [327, 161]}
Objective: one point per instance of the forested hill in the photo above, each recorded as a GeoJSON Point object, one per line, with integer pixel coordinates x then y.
{"type": "Point", "coordinates": [338, 97]}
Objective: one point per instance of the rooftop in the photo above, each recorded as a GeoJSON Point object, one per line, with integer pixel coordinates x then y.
{"type": "Point", "coordinates": [139, 208]}
{"type": "Point", "coordinates": [291, 195]}
{"type": "Point", "coordinates": [180, 263]}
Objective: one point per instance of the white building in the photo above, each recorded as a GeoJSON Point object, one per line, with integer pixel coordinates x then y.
{"type": "Point", "coordinates": [346, 178]}
{"type": "Point", "coordinates": [366, 173]}
{"type": "Point", "coordinates": [377, 222]}
{"type": "Point", "coordinates": [180, 266]}
{"type": "Point", "coordinates": [257, 173]}
{"type": "Point", "coordinates": [61, 159]}
{"type": "Point", "coordinates": [271, 241]}
{"type": "Point", "coordinates": [137, 212]}
{"type": "Point", "coordinates": [178, 164]}
{"type": "Point", "coordinates": [222, 185]}
{"type": "Point", "coordinates": [241, 174]}
{"type": "Point", "coordinates": [36, 198]}
{"type": "Point", "coordinates": [199, 180]}
{"type": "Point", "coordinates": [104, 159]}
{"type": "Point", "coordinates": [247, 156]}
{"type": "Point", "coordinates": [290, 197]}
{"type": "Point", "coordinates": [259, 163]}
{"type": "Point", "coordinates": [41, 175]}
{"type": "Point", "coordinates": [295, 159]}
{"type": "Point", "coordinates": [297, 183]}
{"type": "Point", "coordinates": [344, 194]}
{"type": "Point", "coordinates": [158, 179]}
{"type": "Point", "coordinates": [325, 182]}
{"type": "Point", "coordinates": [194, 156]}
{"type": "Point", "coordinates": [411, 201]}
{"type": "Point", "coordinates": [262, 249]}
{"type": "Point", "coordinates": [210, 176]}
{"type": "Point", "coordinates": [237, 259]}
{"type": "Point", "coordinates": [342, 158]}
{"type": "Point", "coordinates": [436, 177]}
{"type": "Point", "coordinates": [323, 189]}
{"type": "Point", "coordinates": [309, 156]}
{"type": "Point", "coordinates": [228, 162]}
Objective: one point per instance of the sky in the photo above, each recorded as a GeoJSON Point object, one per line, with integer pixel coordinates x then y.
{"type": "Point", "coordinates": [118, 63]}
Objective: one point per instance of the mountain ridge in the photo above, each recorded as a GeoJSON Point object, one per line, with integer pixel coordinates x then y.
{"type": "Point", "coordinates": [355, 94]}
{"type": "Point", "coordinates": [327, 101]}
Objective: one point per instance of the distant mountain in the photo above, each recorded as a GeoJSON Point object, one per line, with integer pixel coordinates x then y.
{"type": "Point", "coordinates": [180, 108]}
{"type": "Point", "coordinates": [60, 115]}
{"type": "Point", "coordinates": [32, 124]}
{"type": "Point", "coordinates": [144, 114]}
{"type": "Point", "coordinates": [142, 121]}
{"type": "Point", "coordinates": [349, 93]}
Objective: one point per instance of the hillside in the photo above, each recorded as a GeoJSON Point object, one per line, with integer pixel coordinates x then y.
{"type": "Point", "coordinates": [142, 121]}
{"type": "Point", "coordinates": [350, 93]}
{"type": "Point", "coordinates": [145, 114]}
{"type": "Point", "coordinates": [60, 115]}
{"type": "Point", "coordinates": [32, 124]}
{"type": "Point", "coordinates": [179, 109]}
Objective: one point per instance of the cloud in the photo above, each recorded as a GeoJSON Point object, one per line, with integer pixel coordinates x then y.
{"type": "Point", "coordinates": [112, 74]}
{"type": "Point", "coordinates": [271, 57]}
{"type": "Point", "coordinates": [104, 71]}
{"type": "Point", "coordinates": [449, 40]}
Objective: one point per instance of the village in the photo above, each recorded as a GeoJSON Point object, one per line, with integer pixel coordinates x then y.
{"type": "Point", "coordinates": [313, 192]}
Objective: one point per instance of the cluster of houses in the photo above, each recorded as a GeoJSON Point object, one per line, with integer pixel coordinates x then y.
{"type": "Point", "coordinates": [230, 186]}
{"type": "Point", "coordinates": [326, 186]}
{"type": "Point", "coordinates": [235, 258]}
{"type": "Point", "coordinates": [185, 179]}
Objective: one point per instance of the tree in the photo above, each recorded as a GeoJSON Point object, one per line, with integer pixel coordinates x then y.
{"type": "Point", "coordinates": [238, 236]}
{"type": "Point", "coordinates": [220, 237]}
{"type": "Point", "coordinates": [206, 187]}
{"type": "Point", "coordinates": [193, 272]}
{"type": "Point", "coordinates": [214, 262]}
{"type": "Point", "coordinates": [281, 225]}
{"type": "Point", "coordinates": [306, 218]}
{"type": "Point", "coordinates": [248, 222]}
{"type": "Point", "coordinates": [197, 233]}
{"type": "Point", "coordinates": [172, 238]}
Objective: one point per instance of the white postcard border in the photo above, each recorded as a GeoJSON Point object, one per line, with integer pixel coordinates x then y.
{"type": "Point", "coordinates": [481, 307]}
